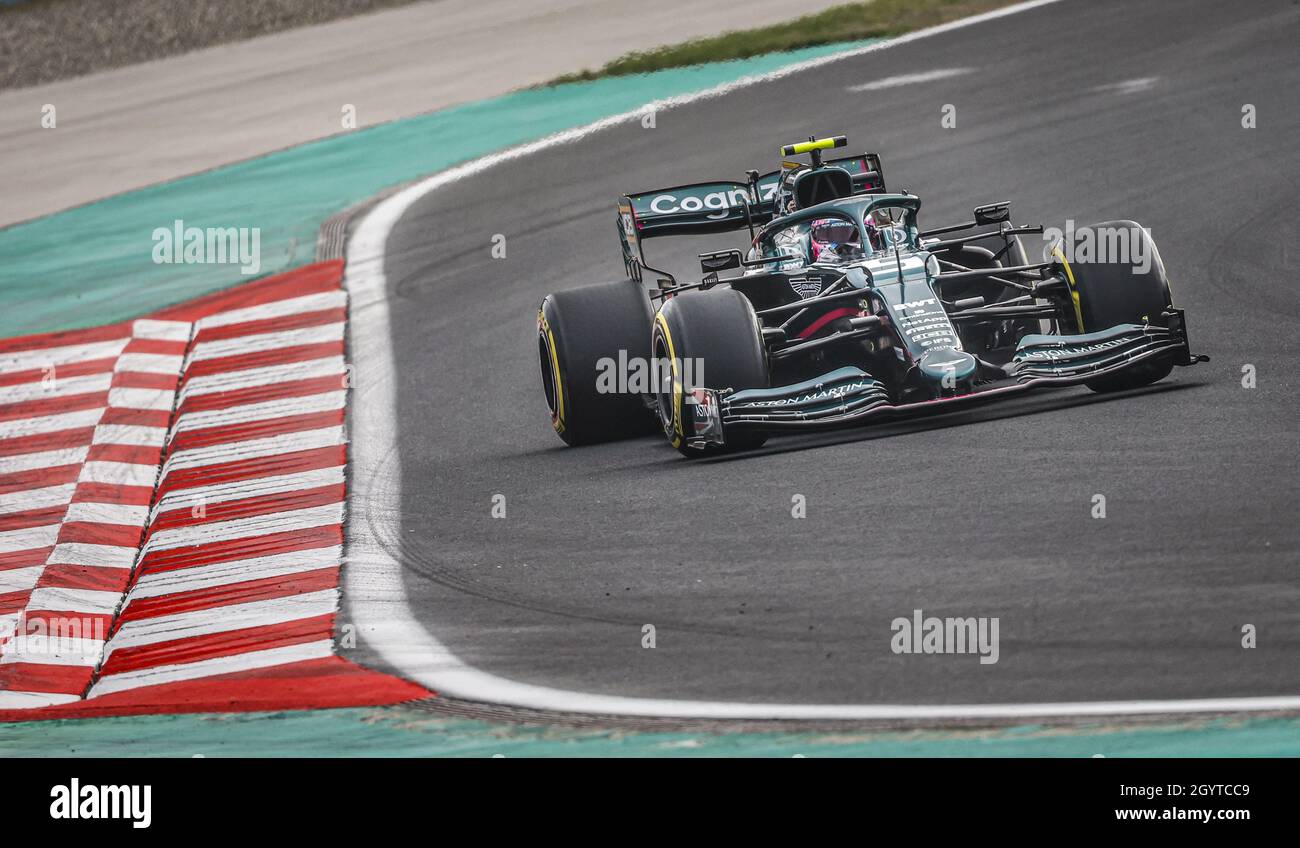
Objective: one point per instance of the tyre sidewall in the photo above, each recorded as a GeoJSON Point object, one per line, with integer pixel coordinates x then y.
{"type": "Point", "coordinates": [1117, 291]}
{"type": "Point", "coordinates": [714, 337]}
{"type": "Point", "coordinates": [577, 329]}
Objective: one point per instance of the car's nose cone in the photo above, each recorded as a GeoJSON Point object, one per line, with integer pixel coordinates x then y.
{"type": "Point", "coordinates": [947, 364]}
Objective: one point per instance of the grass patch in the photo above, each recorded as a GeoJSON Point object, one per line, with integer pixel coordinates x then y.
{"type": "Point", "coordinates": [850, 22]}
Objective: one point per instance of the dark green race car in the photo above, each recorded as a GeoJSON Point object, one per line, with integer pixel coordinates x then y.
{"type": "Point", "coordinates": [843, 310]}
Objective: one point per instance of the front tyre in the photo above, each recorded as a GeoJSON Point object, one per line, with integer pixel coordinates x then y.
{"type": "Point", "coordinates": [580, 333]}
{"type": "Point", "coordinates": [1112, 290]}
{"type": "Point", "coordinates": [707, 339]}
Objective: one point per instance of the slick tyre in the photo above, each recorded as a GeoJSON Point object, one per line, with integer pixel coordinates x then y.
{"type": "Point", "coordinates": [576, 329]}
{"type": "Point", "coordinates": [1121, 290]}
{"type": "Point", "coordinates": [712, 339]}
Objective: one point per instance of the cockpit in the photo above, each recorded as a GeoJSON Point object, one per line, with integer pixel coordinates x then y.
{"type": "Point", "coordinates": [837, 238]}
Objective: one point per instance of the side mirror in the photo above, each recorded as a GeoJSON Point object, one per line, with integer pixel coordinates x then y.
{"type": "Point", "coordinates": [721, 260]}
{"type": "Point", "coordinates": [993, 213]}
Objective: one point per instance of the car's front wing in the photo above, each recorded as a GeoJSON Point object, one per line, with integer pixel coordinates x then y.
{"type": "Point", "coordinates": [849, 396]}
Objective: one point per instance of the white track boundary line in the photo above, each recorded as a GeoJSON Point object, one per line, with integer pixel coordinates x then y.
{"type": "Point", "coordinates": [372, 575]}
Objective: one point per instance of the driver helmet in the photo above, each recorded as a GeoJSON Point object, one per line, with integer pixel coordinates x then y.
{"type": "Point", "coordinates": [833, 239]}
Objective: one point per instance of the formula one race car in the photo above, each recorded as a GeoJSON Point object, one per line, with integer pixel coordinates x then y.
{"type": "Point", "coordinates": [843, 310]}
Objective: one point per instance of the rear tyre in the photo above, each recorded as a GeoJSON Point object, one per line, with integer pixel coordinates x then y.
{"type": "Point", "coordinates": [576, 330]}
{"type": "Point", "coordinates": [1122, 291]}
{"type": "Point", "coordinates": [709, 339]}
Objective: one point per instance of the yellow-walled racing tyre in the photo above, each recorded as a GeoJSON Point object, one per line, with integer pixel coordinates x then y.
{"type": "Point", "coordinates": [711, 340]}
{"type": "Point", "coordinates": [580, 336]}
{"type": "Point", "coordinates": [1110, 290]}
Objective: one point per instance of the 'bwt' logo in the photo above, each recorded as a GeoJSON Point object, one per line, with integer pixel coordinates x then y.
{"type": "Point", "coordinates": [75, 801]}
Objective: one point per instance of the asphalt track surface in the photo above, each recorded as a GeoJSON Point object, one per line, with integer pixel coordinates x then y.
{"type": "Point", "coordinates": [1082, 110]}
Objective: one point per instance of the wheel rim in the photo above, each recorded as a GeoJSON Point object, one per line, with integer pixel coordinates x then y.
{"type": "Point", "coordinates": [548, 373]}
{"type": "Point", "coordinates": [665, 384]}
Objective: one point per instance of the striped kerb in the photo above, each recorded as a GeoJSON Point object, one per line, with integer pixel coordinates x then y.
{"type": "Point", "coordinates": [171, 508]}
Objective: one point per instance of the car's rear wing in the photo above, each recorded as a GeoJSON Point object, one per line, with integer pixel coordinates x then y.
{"type": "Point", "coordinates": [868, 176]}
{"type": "Point", "coordinates": [692, 209]}
{"type": "Point", "coordinates": [719, 207]}
{"type": "Point", "coordinates": [696, 208]}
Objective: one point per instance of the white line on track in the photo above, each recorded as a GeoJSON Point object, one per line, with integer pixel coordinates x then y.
{"type": "Point", "coordinates": [372, 576]}
{"type": "Point", "coordinates": [910, 79]}
{"type": "Point", "coordinates": [1133, 86]}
